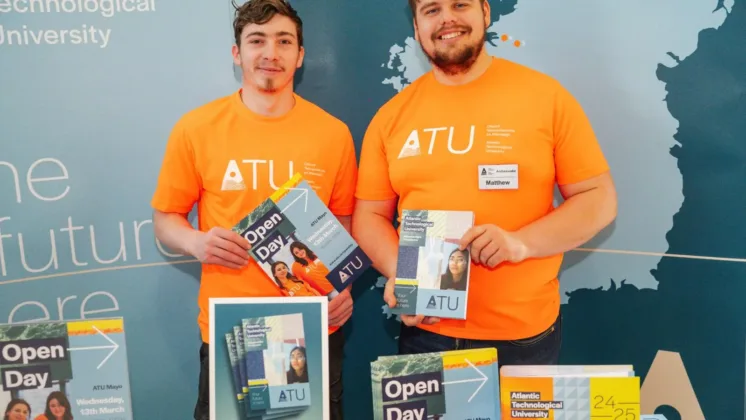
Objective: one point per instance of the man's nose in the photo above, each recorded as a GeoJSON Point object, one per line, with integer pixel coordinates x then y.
{"type": "Point", "coordinates": [270, 51]}
{"type": "Point", "coordinates": [447, 16]}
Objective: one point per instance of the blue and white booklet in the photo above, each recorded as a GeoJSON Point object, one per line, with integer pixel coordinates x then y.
{"type": "Point", "coordinates": [432, 273]}
{"type": "Point", "coordinates": [270, 360]}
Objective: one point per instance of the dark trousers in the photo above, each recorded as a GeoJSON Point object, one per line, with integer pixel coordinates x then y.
{"type": "Point", "coordinates": [541, 349]}
{"type": "Point", "coordinates": [336, 354]}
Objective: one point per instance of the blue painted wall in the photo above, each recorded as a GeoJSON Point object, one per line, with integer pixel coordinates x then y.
{"type": "Point", "coordinates": [84, 128]}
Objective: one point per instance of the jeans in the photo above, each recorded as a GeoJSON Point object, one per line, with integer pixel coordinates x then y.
{"type": "Point", "coordinates": [541, 349]}
{"type": "Point", "coordinates": [336, 354]}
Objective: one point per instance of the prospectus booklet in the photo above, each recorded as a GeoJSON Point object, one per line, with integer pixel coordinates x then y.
{"type": "Point", "coordinates": [300, 244]}
{"type": "Point", "coordinates": [278, 368]}
{"type": "Point", "coordinates": [569, 391]}
{"type": "Point", "coordinates": [276, 364]}
{"type": "Point", "coordinates": [79, 367]}
{"type": "Point", "coordinates": [432, 274]}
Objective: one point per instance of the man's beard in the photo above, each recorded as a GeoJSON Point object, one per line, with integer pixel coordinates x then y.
{"type": "Point", "coordinates": [268, 86]}
{"type": "Point", "coordinates": [456, 62]}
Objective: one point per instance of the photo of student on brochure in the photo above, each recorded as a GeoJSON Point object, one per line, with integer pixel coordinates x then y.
{"type": "Point", "coordinates": [272, 359]}
{"type": "Point", "coordinates": [300, 244]}
{"type": "Point", "coordinates": [65, 369]}
{"type": "Point", "coordinates": [432, 273]}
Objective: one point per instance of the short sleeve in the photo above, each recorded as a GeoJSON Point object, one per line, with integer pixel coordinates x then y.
{"type": "Point", "coordinates": [179, 184]}
{"type": "Point", "coordinates": [577, 153]}
{"type": "Point", "coordinates": [342, 200]}
{"type": "Point", "coordinates": [373, 180]}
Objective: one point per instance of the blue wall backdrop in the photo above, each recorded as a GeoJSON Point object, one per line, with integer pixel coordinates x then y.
{"type": "Point", "coordinates": [89, 91]}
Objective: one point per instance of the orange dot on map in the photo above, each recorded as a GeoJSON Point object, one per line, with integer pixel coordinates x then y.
{"type": "Point", "coordinates": [504, 38]}
{"type": "Point", "coordinates": [517, 43]}
{"type": "Point", "coordinates": [232, 174]}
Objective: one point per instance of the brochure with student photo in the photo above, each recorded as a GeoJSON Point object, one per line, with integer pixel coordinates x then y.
{"type": "Point", "coordinates": [432, 273]}
{"type": "Point", "coordinates": [300, 244]}
{"type": "Point", "coordinates": [271, 361]}
{"type": "Point", "coordinates": [74, 367]}
{"type": "Point", "coordinates": [449, 385]}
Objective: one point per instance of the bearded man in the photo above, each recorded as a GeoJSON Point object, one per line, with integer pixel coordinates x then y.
{"type": "Point", "coordinates": [494, 137]}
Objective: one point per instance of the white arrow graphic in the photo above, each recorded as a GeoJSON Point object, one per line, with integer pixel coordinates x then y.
{"type": "Point", "coordinates": [114, 347]}
{"type": "Point", "coordinates": [303, 194]}
{"type": "Point", "coordinates": [483, 380]}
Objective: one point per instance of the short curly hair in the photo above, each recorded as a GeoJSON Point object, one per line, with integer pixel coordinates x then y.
{"type": "Point", "coordinates": [262, 11]}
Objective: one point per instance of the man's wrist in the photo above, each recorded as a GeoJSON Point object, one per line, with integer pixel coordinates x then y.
{"type": "Point", "coordinates": [524, 244]}
{"type": "Point", "coordinates": [190, 242]}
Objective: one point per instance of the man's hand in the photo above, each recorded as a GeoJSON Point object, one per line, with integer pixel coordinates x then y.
{"type": "Point", "coordinates": [408, 320]}
{"type": "Point", "coordinates": [340, 308]}
{"type": "Point", "coordinates": [221, 246]}
{"type": "Point", "coordinates": [491, 245]}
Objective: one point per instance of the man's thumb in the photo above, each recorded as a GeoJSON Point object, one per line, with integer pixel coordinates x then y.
{"type": "Point", "coordinates": [389, 298]}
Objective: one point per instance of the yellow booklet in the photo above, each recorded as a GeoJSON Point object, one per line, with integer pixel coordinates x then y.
{"type": "Point", "coordinates": [608, 392]}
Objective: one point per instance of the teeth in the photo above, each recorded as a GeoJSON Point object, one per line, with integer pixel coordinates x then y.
{"type": "Point", "coordinates": [451, 35]}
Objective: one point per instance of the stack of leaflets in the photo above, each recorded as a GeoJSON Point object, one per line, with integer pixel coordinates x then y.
{"type": "Point", "coordinates": [570, 392]}
{"type": "Point", "coordinates": [268, 360]}
{"type": "Point", "coordinates": [451, 385]}
{"type": "Point", "coordinates": [75, 367]}
{"type": "Point", "coordinates": [300, 244]}
{"type": "Point", "coordinates": [432, 273]}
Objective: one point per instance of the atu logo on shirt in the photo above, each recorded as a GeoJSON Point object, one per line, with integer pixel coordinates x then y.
{"type": "Point", "coordinates": [233, 179]}
{"type": "Point", "coordinates": [494, 136]}
{"type": "Point", "coordinates": [412, 146]}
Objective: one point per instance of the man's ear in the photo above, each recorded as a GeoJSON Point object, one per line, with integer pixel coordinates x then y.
{"type": "Point", "coordinates": [236, 55]}
{"type": "Point", "coordinates": [487, 16]}
{"type": "Point", "coordinates": [414, 25]}
{"type": "Point", "coordinates": [301, 55]}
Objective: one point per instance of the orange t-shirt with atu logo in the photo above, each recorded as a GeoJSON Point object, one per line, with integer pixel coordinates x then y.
{"type": "Point", "coordinates": [495, 146]}
{"type": "Point", "coordinates": [227, 160]}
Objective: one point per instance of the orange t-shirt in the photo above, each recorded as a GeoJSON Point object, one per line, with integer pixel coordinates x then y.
{"type": "Point", "coordinates": [425, 147]}
{"type": "Point", "coordinates": [228, 159]}
{"type": "Point", "coordinates": [314, 273]}
{"type": "Point", "coordinates": [298, 287]}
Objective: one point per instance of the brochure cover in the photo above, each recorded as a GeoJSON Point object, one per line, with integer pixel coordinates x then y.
{"type": "Point", "coordinates": [452, 385]}
{"type": "Point", "coordinates": [284, 357]}
{"type": "Point", "coordinates": [73, 367]}
{"type": "Point", "coordinates": [300, 244]}
{"type": "Point", "coordinates": [570, 391]}
{"type": "Point", "coordinates": [276, 363]}
{"type": "Point", "coordinates": [432, 274]}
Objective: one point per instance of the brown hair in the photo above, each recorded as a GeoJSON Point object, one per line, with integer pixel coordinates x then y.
{"type": "Point", "coordinates": [260, 12]}
{"type": "Point", "coordinates": [413, 6]}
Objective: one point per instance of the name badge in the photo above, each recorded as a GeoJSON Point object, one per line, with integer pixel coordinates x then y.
{"type": "Point", "coordinates": [498, 177]}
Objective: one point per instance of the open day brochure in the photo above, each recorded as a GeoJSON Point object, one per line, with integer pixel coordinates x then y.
{"type": "Point", "coordinates": [300, 244]}
{"type": "Point", "coordinates": [449, 385]}
{"type": "Point", "coordinates": [75, 366]}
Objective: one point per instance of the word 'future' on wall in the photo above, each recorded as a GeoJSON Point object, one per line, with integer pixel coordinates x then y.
{"type": "Point", "coordinates": [37, 238]}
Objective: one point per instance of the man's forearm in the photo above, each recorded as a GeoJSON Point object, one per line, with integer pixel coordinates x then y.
{"type": "Point", "coordinates": [378, 239]}
{"type": "Point", "coordinates": [573, 223]}
{"type": "Point", "coordinates": [345, 222]}
{"type": "Point", "coordinates": [174, 231]}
